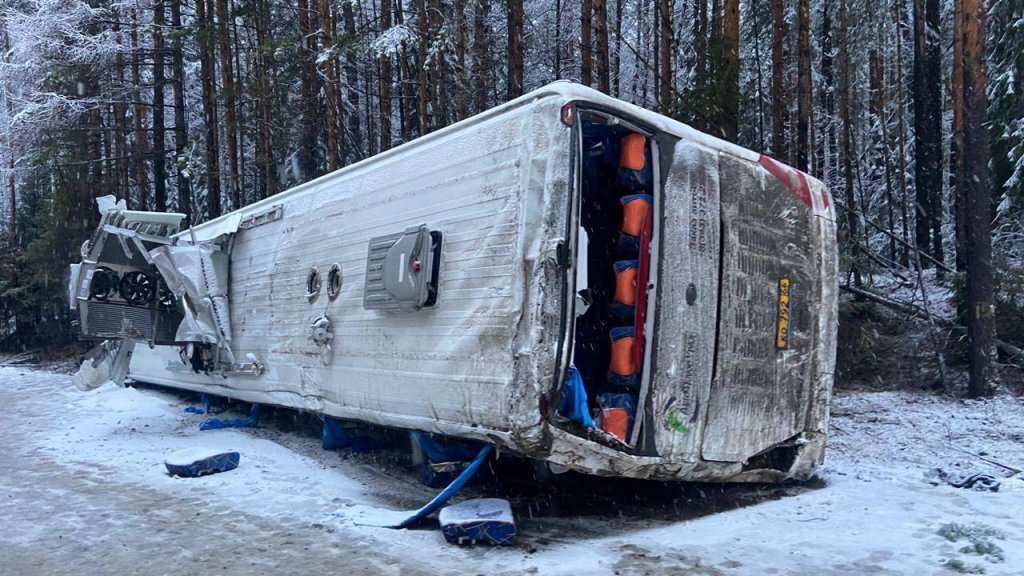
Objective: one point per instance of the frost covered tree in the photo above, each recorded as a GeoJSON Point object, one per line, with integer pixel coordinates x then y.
{"type": "Point", "coordinates": [1006, 96]}
{"type": "Point", "coordinates": [56, 89]}
{"type": "Point", "coordinates": [206, 106]}
{"type": "Point", "coordinates": [927, 128]}
{"type": "Point", "coordinates": [977, 212]}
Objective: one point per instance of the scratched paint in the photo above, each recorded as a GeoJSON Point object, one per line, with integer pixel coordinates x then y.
{"type": "Point", "coordinates": [478, 364]}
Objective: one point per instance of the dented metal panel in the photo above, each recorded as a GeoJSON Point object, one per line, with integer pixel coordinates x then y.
{"type": "Point", "coordinates": [687, 301]}
{"type": "Point", "coordinates": [484, 363]}
{"type": "Point", "coordinates": [759, 388]}
{"type": "Point", "coordinates": [197, 274]}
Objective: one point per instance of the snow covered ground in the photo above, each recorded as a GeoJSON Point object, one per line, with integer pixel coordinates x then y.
{"type": "Point", "coordinates": [83, 490]}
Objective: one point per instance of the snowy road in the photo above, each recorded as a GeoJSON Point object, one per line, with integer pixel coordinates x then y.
{"type": "Point", "coordinates": [83, 491]}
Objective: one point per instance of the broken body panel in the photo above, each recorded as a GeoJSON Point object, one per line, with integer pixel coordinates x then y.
{"type": "Point", "coordinates": [451, 302]}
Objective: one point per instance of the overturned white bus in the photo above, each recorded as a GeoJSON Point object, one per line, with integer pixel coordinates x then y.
{"type": "Point", "coordinates": [566, 276]}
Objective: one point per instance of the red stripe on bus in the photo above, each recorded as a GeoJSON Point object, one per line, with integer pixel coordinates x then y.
{"type": "Point", "coordinates": [794, 180]}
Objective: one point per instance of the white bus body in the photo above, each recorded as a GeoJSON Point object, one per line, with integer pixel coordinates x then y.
{"type": "Point", "coordinates": [736, 357]}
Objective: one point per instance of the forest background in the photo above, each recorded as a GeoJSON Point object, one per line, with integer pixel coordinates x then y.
{"type": "Point", "coordinates": [912, 112]}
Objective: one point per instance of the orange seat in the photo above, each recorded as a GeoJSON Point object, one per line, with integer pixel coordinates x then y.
{"type": "Point", "coordinates": [615, 421]}
{"type": "Point", "coordinates": [634, 211]}
{"type": "Point", "coordinates": [632, 156]}
{"type": "Point", "coordinates": [625, 282]}
{"type": "Point", "coordinates": [622, 363]}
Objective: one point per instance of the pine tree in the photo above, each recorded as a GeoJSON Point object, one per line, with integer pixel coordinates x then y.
{"type": "Point", "coordinates": [927, 128]}
{"type": "Point", "coordinates": [977, 212]}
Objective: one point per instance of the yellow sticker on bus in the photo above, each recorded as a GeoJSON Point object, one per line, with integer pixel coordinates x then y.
{"type": "Point", "coordinates": [782, 324]}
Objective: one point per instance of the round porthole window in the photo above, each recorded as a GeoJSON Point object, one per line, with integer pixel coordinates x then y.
{"type": "Point", "coordinates": [334, 281]}
{"type": "Point", "coordinates": [313, 284]}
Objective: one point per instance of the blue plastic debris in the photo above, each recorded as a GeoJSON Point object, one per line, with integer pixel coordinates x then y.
{"type": "Point", "coordinates": [483, 521]}
{"type": "Point", "coordinates": [195, 462]}
{"type": "Point", "coordinates": [447, 494]}
{"type": "Point", "coordinates": [335, 437]}
{"type": "Point", "coordinates": [574, 399]}
{"type": "Point", "coordinates": [446, 450]}
{"type": "Point", "coordinates": [204, 400]}
{"type": "Point", "coordinates": [251, 422]}
{"type": "Point", "coordinates": [446, 459]}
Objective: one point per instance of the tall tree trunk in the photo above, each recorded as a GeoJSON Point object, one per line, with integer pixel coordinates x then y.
{"type": "Point", "coordinates": [408, 100]}
{"type": "Point", "coordinates": [439, 84]}
{"type": "Point", "coordinates": [731, 60]}
{"type": "Point", "coordinates": [667, 83]}
{"type": "Point", "coordinates": [308, 93]}
{"type": "Point", "coordinates": [461, 82]}
{"type": "Point", "coordinates": [385, 80]}
{"type": "Point", "coordinates": [977, 178]}
{"type": "Point", "coordinates": [369, 88]}
{"type": "Point", "coordinates": [617, 62]}
{"type": "Point", "coordinates": [880, 83]}
{"type": "Point", "coordinates": [140, 139]}
{"type": "Point", "coordinates": [700, 46]}
{"type": "Point", "coordinates": [601, 66]}
{"type": "Point", "coordinates": [759, 64]}
{"type": "Point", "coordinates": [204, 19]}
{"type": "Point", "coordinates": [80, 216]}
{"type": "Point", "coordinates": [242, 71]}
{"type": "Point", "coordinates": [558, 40]}
{"type": "Point", "coordinates": [956, 151]}
{"type": "Point", "coordinates": [12, 191]}
{"type": "Point", "coordinates": [265, 164]}
{"type": "Point", "coordinates": [352, 81]}
{"type": "Point", "coordinates": [934, 65]}
{"type": "Point", "coordinates": [876, 77]}
{"type": "Point", "coordinates": [120, 112]}
{"type": "Point", "coordinates": [655, 57]}
{"type": "Point", "coordinates": [369, 85]}
{"type": "Point", "coordinates": [227, 81]}
{"type": "Point", "coordinates": [12, 199]}
{"type": "Point", "coordinates": [826, 100]}
{"type": "Point", "coordinates": [586, 57]}
{"type": "Point", "coordinates": [482, 61]}
{"type": "Point", "coordinates": [339, 99]}
{"type": "Point", "coordinates": [159, 157]}
{"type": "Point", "coordinates": [927, 128]}
{"type": "Point", "coordinates": [183, 185]}
{"type": "Point", "coordinates": [846, 137]}
{"type": "Point", "coordinates": [901, 98]}
{"type": "Point", "coordinates": [803, 99]}
{"type": "Point", "coordinates": [877, 111]}
{"type": "Point", "coordinates": [716, 19]}
{"type": "Point", "coordinates": [421, 64]}
{"type": "Point", "coordinates": [329, 73]}
{"type": "Point", "coordinates": [885, 93]}
{"type": "Point", "coordinates": [515, 48]}
{"type": "Point", "coordinates": [779, 38]}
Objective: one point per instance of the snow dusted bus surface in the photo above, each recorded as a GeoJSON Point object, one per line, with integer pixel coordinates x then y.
{"type": "Point", "coordinates": [437, 287]}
